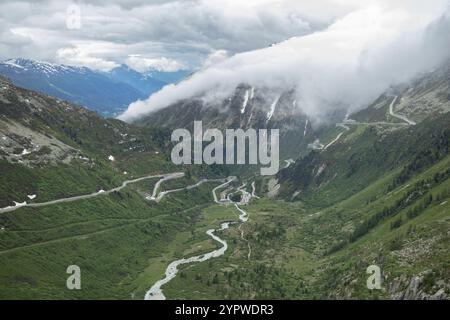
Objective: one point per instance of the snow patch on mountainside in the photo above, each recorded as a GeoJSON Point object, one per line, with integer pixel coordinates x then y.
{"type": "Point", "coordinates": [244, 104]}
{"type": "Point", "coordinates": [45, 68]}
{"type": "Point", "coordinates": [272, 109]}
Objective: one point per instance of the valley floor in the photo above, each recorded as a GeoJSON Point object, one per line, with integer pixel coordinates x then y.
{"type": "Point", "coordinates": [123, 244]}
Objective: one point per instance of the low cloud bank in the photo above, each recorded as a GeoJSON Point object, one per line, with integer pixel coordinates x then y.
{"type": "Point", "coordinates": [345, 66]}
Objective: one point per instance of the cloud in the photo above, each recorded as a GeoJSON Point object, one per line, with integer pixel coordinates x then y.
{"type": "Point", "coordinates": [161, 64]}
{"type": "Point", "coordinates": [348, 64]}
{"type": "Point", "coordinates": [214, 58]}
{"type": "Point", "coordinates": [183, 31]}
{"type": "Point", "coordinates": [86, 54]}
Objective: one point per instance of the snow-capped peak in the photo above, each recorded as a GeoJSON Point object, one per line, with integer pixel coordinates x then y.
{"type": "Point", "coordinates": [46, 68]}
{"type": "Point", "coordinates": [13, 63]}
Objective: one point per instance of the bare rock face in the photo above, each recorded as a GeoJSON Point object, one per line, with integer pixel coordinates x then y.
{"type": "Point", "coordinates": [404, 288]}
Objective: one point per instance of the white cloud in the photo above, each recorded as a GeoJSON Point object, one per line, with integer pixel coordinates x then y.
{"type": "Point", "coordinates": [184, 31]}
{"type": "Point", "coordinates": [214, 58]}
{"type": "Point", "coordinates": [162, 64]}
{"type": "Point", "coordinates": [86, 54]}
{"type": "Point", "coordinates": [348, 64]}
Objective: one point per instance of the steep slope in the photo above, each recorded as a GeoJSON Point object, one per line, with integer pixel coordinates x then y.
{"type": "Point", "coordinates": [361, 156]}
{"type": "Point", "coordinates": [427, 94]}
{"type": "Point", "coordinates": [248, 107]}
{"type": "Point", "coordinates": [409, 123]}
{"type": "Point", "coordinates": [300, 252]}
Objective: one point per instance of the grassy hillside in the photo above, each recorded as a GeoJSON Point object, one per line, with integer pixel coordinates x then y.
{"type": "Point", "coordinates": [113, 239]}
{"type": "Point", "coordinates": [363, 155]}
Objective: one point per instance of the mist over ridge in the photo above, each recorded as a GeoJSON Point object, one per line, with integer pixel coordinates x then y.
{"type": "Point", "coordinates": [345, 66]}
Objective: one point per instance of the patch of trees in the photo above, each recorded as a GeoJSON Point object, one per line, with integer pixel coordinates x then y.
{"type": "Point", "coordinates": [423, 160]}
{"type": "Point", "coordinates": [425, 203]}
{"type": "Point", "coordinates": [420, 190]}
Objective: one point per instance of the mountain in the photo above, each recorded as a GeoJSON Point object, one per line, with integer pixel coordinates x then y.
{"type": "Point", "coordinates": [377, 194]}
{"type": "Point", "coordinates": [139, 81]}
{"type": "Point", "coordinates": [168, 76]}
{"type": "Point", "coordinates": [108, 93]}
{"type": "Point", "coordinates": [409, 120]}
{"type": "Point", "coordinates": [41, 132]}
{"type": "Point", "coordinates": [370, 189]}
{"type": "Point", "coordinates": [247, 107]}
{"type": "Point", "coordinates": [146, 82]}
{"type": "Point", "coordinates": [150, 81]}
{"type": "Point", "coordinates": [427, 94]}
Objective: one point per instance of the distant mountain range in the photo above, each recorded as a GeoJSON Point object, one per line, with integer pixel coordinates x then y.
{"type": "Point", "coordinates": [108, 93]}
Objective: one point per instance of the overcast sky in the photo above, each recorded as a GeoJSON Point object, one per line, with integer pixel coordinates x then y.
{"type": "Point", "coordinates": [166, 35]}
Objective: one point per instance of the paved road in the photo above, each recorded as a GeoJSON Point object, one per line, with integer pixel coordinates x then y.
{"type": "Point", "coordinates": [376, 123]}
{"type": "Point", "coordinates": [94, 194]}
{"type": "Point", "coordinates": [171, 176]}
{"type": "Point", "coordinates": [162, 194]}
{"type": "Point", "coordinates": [343, 126]}
{"type": "Point", "coordinates": [333, 141]}
{"type": "Point", "coordinates": [230, 180]}
{"type": "Point", "coordinates": [399, 116]}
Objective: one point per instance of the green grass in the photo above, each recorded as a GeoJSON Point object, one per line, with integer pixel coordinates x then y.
{"type": "Point", "coordinates": [114, 239]}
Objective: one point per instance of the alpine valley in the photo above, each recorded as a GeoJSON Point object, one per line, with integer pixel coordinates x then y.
{"type": "Point", "coordinates": [359, 189]}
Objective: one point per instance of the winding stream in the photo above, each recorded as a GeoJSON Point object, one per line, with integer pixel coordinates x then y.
{"type": "Point", "coordinates": [155, 292]}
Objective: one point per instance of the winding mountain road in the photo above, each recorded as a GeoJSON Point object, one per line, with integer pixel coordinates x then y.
{"type": "Point", "coordinates": [170, 176]}
{"type": "Point", "coordinates": [164, 177]}
{"type": "Point", "coordinates": [406, 121]}
{"type": "Point", "coordinates": [222, 201]}
{"type": "Point", "coordinates": [399, 116]}
{"type": "Point", "coordinates": [162, 194]}
{"type": "Point", "coordinates": [343, 126]}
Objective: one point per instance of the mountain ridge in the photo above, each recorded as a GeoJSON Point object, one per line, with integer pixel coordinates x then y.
{"type": "Point", "coordinates": [109, 93]}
